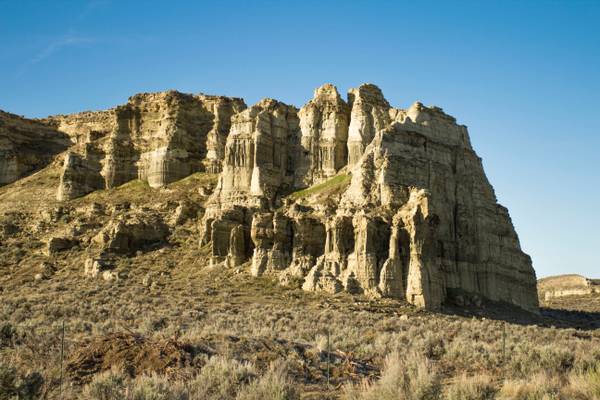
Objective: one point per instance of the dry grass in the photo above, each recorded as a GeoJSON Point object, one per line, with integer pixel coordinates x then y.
{"type": "Point", "coordinates": [404, 377]}
{"type": "Point", "coordinates": [477, 387]}
{"type": "Point", "coordinates": [211, 304]}
{"type": "Point", "coordinates": [250, 337]}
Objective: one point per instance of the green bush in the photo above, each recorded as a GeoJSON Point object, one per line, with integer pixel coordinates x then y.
{"type": "Point", "coordinates": [7, 334]}
{"type": "Point", "coordinates": [15, 386]}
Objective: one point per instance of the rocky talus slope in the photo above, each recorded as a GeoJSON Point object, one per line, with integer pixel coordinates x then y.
{"type": "Point", "coordinates": [352, 196]}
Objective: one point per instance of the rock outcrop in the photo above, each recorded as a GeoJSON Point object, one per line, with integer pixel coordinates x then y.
{"type": "Point", "coordinates": [370, 113]}
{"type": "Point", "coordinates": [26, 146]}
{"type": "Point", "coordinates": [567, 285]}
{"type": "Point", "coordinates": [156, 137]}
{"type": "Point", "coordinates": [130, 232]}
{"type": "Point", "coordinates": [324, 124]}
{"type": "Point", "coordinates": [353, 195]}
{"type": "Point", "coordinates": [417, 221]}
{"type": "Point", "coordinates": [259, 155]}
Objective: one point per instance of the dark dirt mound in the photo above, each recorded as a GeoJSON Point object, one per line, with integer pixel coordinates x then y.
{"type": "Point", "coordinates": [131, 352]}
{"type": "Point", "coordinates": [138, 355]}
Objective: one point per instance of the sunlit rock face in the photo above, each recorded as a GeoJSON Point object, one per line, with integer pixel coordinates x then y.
{"type": "Point", "coordinates": [259, 153]}
{"type": "Point", "coordinates": [26, 146]}
{"type": "Point", "coordinates": [324, 124]}
{"type": "Point", "coordinates": [370, 113]}
{"type": "Point", "coordinates": [353, 196]}
{"type": "Point", "coordinates": [156, 137]}
{"type": "Point", "coordinates": [408, 214]}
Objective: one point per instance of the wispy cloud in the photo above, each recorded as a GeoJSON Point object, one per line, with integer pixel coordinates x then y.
{"type": "Point", "coordinates": [54, 46]}
{"type": "Point", "coordinates": [58, 44]}
{"type": "Point", "coordinates": [70, 39]}
{"type": "Point", "coordinates": [91, 6]}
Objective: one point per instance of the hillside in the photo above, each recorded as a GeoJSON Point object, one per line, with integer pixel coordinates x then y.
{"type": "Point", "coordinates": [189, 247]}
{"type": "Point", "coordinates": [168, 297]}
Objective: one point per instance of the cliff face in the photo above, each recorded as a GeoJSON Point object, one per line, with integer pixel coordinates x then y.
{"type": "Point", "coordinates": [157, 138]}
{"type": "Point", "coordinates": [407, 212]}
{"type": "Point", "coordinates": [324, 122]}
{"type": "Point", "coordinates": [352, 195]}
{"type": "Point", "coordinates": [26, 146]}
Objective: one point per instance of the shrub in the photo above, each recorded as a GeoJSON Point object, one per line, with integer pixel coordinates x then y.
{"type": "Point", "coordinates": [433, 346]}
{"type": "Point", "coordinates": [108, 385]}
{"type": "Point", "coordinates": [221, 378]}
{"type": "Point", "coordinates": [156, 387]}
{"type": "Point", "coordinates": [8, 377]}
{"type": "Point", "coordinates": [12, 385]}
{"type": "Point", "coordinates": [30, 386]}
{"type": "Point", "coordinates": [273, 385]}
{"type": "Point", "coordinates": [408, 377]}
{"type": "Point", "coordinates": [479, 387]}
{"type": "Point", "coordinates": [538, 387]}
{"type": "Point", "coordinates": [585, 385]}
{"type": "Point", "coordinates": [7, 334]}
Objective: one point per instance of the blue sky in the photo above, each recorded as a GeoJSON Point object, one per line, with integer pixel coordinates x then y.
{"type": "Point", "coordinates": [523, 76]}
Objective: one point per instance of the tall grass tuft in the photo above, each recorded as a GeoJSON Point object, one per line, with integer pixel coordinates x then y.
{"type": "Point", "coordinates": [273, 385]}
{"type": "Point", "coordinates": [221, 378]}
{"type": "Point", "coordinates": [404, 377]}
{"type": "Point", "coordinates": [539, 387]}
{"type": "Point", "coordinates": [478, 387]}
{"type": "Point", "coordinates": [585, 385]}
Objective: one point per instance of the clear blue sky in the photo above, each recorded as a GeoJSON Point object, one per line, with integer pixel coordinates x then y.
{"type": "Point", "coordinates": [523, 76]}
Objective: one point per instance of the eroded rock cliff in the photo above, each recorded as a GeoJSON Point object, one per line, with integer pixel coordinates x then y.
{"type": "Point", "coordinates": [26, 146]}
{"type": "Point", "coordinates": [353, 195]}
{"type": "Point", "coordinates": [408, 214]}
{"type": "Point", "coordinates": [156, 137]}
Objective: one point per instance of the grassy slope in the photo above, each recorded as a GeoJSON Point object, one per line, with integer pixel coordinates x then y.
{"type": "Point", "coordinates": [191, 302]}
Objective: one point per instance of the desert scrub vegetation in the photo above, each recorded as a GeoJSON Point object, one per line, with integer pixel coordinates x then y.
{"type": "Point", "coordinates": [239, 326]}
{"type": "Point", "coordinates": [478, 387]}
{"type": "Point", "coordinates": [411, 378]}
{"type": "Point", "coordinates": [173, 328]}
{"type": "Point", "coordinates": [220, 379]}
{"type": "Point", "coordinates": [404, 377]}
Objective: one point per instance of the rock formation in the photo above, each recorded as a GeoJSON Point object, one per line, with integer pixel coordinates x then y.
{"type": "Point", "coordinates": [417, 221]}
{"type": "Point", "coordinates": [370, 113]}
{"type": "Point", "coordinates": [26, 146]}
{"type": "Point", "coordinates": [324, 135]}
{"type": "Point", "coordinates": [156, 137]}
{"type": "Point", "coordinates": [352, 195]}
{"type": "Point", "coordinates": [131, 232]}
{"type": "Point", "coordinates": [567, 285]}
